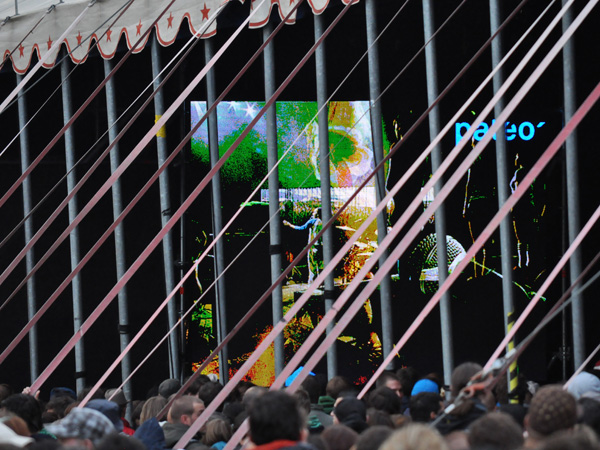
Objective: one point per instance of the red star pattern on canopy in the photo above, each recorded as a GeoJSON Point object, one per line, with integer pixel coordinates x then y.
{"type": "Point", "coordinates": [198, 14]}
{"type": "Point", "coordinates": [205, 12]}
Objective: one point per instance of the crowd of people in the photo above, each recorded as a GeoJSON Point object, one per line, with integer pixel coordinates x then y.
{"type": "Point", "coordinates": [403, 411]}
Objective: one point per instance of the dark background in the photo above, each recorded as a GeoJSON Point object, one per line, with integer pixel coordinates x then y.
{"type": "Point", "coordinates": [476, 305]}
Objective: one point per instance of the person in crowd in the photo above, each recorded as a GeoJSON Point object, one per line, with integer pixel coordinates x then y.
{"type": "Point", "coordinates": [118, 396]}
{"type": "Point", "coordinates": [183, 413]}
{"type": "Point", "coordinates": [467, 411]}
{"type": "Point", "coordinates": [408, 376]}
{"type": "Point", "coordinates": [552, 409]}
{"type": "Point", "coordinates": [110, 409]}
{"type": "Point", "coordinates": [373, 437]}
{"type": "Point", "coordinates": [151, 434]}
{"type": "Point", "coordinates": [152, 407]}
{"type": "Point", "coordinates": [339, 437]}
{"type": "Point", "coordinates": [415, 436]}
{"type": "Point", "coordinates": [120, 442]}
{"type": "Point", "coordinates": [82, 428]}
{"type": "Point", "coordinates": [376, 417]}
{"type": "Point", "coordinates": [168, 387]}
{"type": "Point", "coordinates": [217, 432]}
{"type": "Point", "coordinates": [335, 386]}
{"type": "Point", "coordinates": [317, 413]}
{"type": "Point", "coordinates": [425, 406]}
{"type": "Point", "coordinates": [29, 409]}
{"type": "Point", "coordinates": [571, 440]}
{"type": "Point", "coordinates": [196, 384]}
{"type": "Point", "coordinates": [589, 413]}
{"type": "Point", "coordinates": [585, 384]}
{"type": "Point", "coordinates": [8, 437]}
{"type": "Point", "coordinates": [252, 394]}
{"type": "Point", "coordinates": [15, 423]}
{"type": "Point", "coordinates": [495, 430]}
{"type": "Point", "coordinates": [391, 381]}
{"type": "Point", "coordinates": [351, 412]}
{"type": "Point", "coordinates": [209, 391]}
{"type": "Point", "coordinates": [385, 399]}
{"type": "Point", "coordinates": [275, 422]}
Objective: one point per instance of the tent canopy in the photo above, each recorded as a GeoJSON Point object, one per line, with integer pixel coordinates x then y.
{"type": "Point", "coordinates": [37, 25]}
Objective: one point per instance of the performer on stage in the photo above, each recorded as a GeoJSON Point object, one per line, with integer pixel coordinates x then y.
{"type": "Point", "coordinates": [315, 254]}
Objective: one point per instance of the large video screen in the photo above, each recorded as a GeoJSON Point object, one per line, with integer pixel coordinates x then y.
{"type": "Point", "coordinates": [415, 277]}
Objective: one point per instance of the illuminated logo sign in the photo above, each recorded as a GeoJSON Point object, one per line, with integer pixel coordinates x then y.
{"type": "Point", "coordinates": [524, 131]}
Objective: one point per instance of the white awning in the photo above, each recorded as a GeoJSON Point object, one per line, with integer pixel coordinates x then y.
{"type": "Point", "coordinates": [24, 33]}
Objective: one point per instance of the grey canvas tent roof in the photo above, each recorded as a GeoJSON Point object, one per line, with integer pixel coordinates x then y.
{"type": "Point", "coordinates": [36, 26]}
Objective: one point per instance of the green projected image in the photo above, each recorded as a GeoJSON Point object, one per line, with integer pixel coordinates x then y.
{"type": "Point", "coordinates": [351, 154]}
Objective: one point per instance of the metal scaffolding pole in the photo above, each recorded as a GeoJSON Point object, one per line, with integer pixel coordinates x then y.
{"type": "Point", "coordinates": [74, 236]}
{"type": "Point", "coordinates": [440, 216]}
{"type": "Point", "coordinates": [326, 213]}
{"type": "Point", "coordinates": [217, 217]}
{"type": "Point", "coordinates": [29, 232]}
{"type": "Point", "coordinates": [117, 203]}
{"type": "Point", "coordinates": [275, 224]}
{"type": "Point", "coordinates": [570, 103]}
{"type": "Point", "coordinates": [165, 207]}
{"type": "Point", "coordinates": [380, 191]}
{"type": "Point", "coordinates": [503, 178]}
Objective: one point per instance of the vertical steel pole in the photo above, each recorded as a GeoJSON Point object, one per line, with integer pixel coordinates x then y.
{"type": "Point", "coordinates": [117, 203]}
{"type": "Point", "coordinates": [440, 216]}
{"type": "Point", "coordinates": [374, 92]}
{"type": "Point", "coordinates": [74, 236]}
{"type": "Point", "coordinates": [165, 207]}
{"type": "Point", "coordinates": [28, 229]}
{"type": "Point", "coordinates": [275, 224]}
{"type": "Point", "coordinates": [570, 101]}
{"type": "Point", "coordinates": [213, 145]}
{"type": "Point", "coordinates": [326, 213]}
{"type": "Point", "coordinates": [503, 188]}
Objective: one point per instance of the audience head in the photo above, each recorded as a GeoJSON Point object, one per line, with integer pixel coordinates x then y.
{"type": "Point", "coordinates": [373, 437]}
{"type": "Point", "coordinates": [110, 409]}
{"type": "Point", "coordinates": [351, 412]}
{"type": "Point", "coordinates": [209, 391]}
{"type": "Point", "coordinates": [425, 385]}
{"type": "Point", "coordinates": [274, 416]}
{"type": "Point", "coordinates": [390, 380]}
{"type": "Point", "coordinates": [27, 408]}
{"type": "Point", "coordinates": [495, 430]}
{"type": "Point", "coordinates": [552, 409]}
{"type": "Point", "coordinates": [337, 385]}
{"type": "Point", "coordinates": [585, 384]}
{"type": "Point", "coordinates": [589, 413]}
{"type": "Point", "coordinates": [168, 387]}
{"type": "Point", "coordinates": [339, 437]}
{"type": "Point", "coordinates": [152, 407]}
{"type": "Point", "coordinates": [83, 427]}
{"type": "Point", "coordinates": [384, 399]}
{"type": "Point", "coordinates": [186, 409]}
{"type": "Point", "coordinates": [461, 376]}
{"type": "Point", "coordinates": [252, 394]}
{"type": "Point", "coordinates": [312, 386]}
{"type": "Point", "coordinates": [217, 429]}
{"type": "Point", "coordinates": [415, 436]}
{"type": "Point", "coordinates": [425, 406]}
{"type": "Point", "coordinates": [8, 437]}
